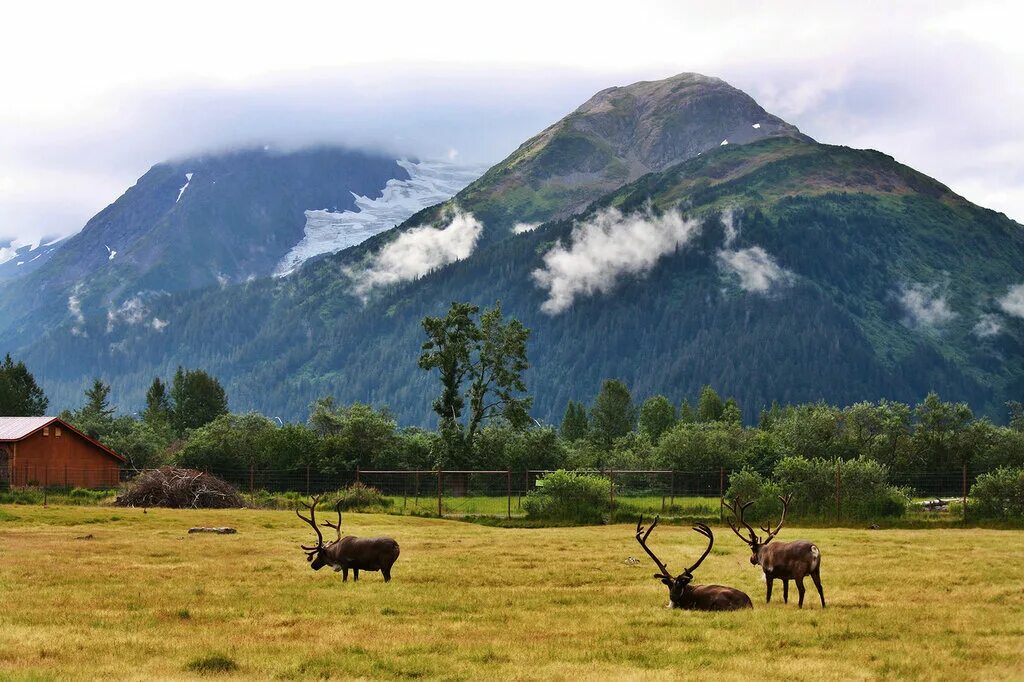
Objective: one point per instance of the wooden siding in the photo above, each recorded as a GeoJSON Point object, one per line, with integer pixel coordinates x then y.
{"type": "Point", "coordinates": [44, 458]}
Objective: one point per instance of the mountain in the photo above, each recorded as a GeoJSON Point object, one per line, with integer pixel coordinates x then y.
{"type": "Point", "coordinates": [18, 259]}
{"type": "Point", "coordinates": [214, 220]}
{"type": "Point", "coordinates": [776, 268]}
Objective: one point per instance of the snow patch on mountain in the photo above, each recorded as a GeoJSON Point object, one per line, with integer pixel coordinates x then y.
{"type": "Point", "coordinates": [188, 179]}
{"type": "Point", "coordinates": [429, 183]}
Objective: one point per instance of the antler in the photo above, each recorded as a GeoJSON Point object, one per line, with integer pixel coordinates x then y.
{"type": "Point", "coordinates": [737, 508]}
{"type": "Point", "coordinates": [706, 532]}
{"type": "Point", "coordinates": [312, 522]}
{"type": "Point", "coordinates": [643, 543]}
{"type": "Point", "coordinates": [335, 526]}
{"type": "Point", "coordinates": [785, 507]}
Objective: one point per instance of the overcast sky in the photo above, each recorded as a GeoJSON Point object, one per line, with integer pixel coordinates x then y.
{"type": "Point", "coordinates": [95, 93]}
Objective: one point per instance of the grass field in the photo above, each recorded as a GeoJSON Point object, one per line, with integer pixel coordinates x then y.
{"type": "Point", "coordinates": [138, 598]}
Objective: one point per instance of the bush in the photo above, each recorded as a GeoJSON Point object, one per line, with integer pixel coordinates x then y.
{"type": "Point", "coordinates": [359, 497]}
{"type": "Point", "coordinates": [865, 492]}
{"type": "Point", "coordinates": [569, 497]}
{"type": "Point", "coordinates": [998, 495]}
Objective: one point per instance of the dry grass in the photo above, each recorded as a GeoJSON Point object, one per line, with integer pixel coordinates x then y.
{"type": "Point", "coordinates": [143, 600]}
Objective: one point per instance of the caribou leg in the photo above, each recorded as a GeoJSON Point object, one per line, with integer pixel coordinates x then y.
{"type": "Point", "coordinates": [386, 572]}
{"type": "Point", "coordinates": [785, 591]}
{"type": "Point", "coordinates": [817, 583]}
{"type": "Point", "coordinates": [344, 575]}
{"type": "Point", "coordinates": [355, 573]}
{"type": "Point", "coordinates": [769, 581]}
{"type": "Point", "coordinates": [800, 589]}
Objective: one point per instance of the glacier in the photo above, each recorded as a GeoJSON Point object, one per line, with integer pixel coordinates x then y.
{"type": "Point", "coordinates": [429, 183]}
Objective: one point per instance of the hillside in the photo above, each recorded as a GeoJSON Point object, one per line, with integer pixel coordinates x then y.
{"type": "Point", "coordinates": [806, 271]}
{"type": "Point", "coordinates": [216, 219]}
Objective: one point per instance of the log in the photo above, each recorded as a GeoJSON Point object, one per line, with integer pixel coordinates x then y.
{"type": "Point", "coordinates": [219, 531]}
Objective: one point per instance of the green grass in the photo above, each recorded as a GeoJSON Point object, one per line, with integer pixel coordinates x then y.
{"type": "Point", "coordinates": [141, 599]}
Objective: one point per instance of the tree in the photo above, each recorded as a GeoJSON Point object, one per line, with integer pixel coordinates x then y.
{"type": "Point", "coordinates": [574, 424]}
{"type": "Point", "coordinates": [158, 410]}
{"type": "Point", "coordinates": [231, 445]}
{"type": "Point", "coordinates": [731, 413]}
{"type": "Point", "coordinates": [198, 399]}
{"type": "Point", "coordinates": [613, 414]}
{"type": "Point", "coordinates": [96, 417]}
{"type": "Point", "coordinates": [1016, 410]}
{"type": "Point", "coordinates": [657, 415]}
{"type": "Point", "coordinates": [686, 413]}
{"type": "Point", "coordinates": [479, 364]}
{"type": "Point", "coordinates": [709, 406]}
{"type": "Point", "coordinates": [941, 438]}
{"type": "Point", "coordinates": [20, 395]}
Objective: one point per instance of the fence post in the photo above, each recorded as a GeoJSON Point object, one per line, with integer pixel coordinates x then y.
{"type": "Point", "coordinates": [508, 488]}
{"type": "Point", "coordinates": [357, 474]}
{"type": "Point", "coordinates": [307, 479]}
{"type": "Point", "coordinates": [721, 494]}
{"type": "Point", "coordinates": [964, 500]}
{"type": "Point", "coordinates": [252, 482]}
{"type": "Point", "coordinates": [672, 492]}
{"type": "Point", "coordinates": [66, 488]}
{"type": "Point", "coordinates": [611, 488]}
{"type": "Point", "coordinates": [440, 474]}
{"type": "Point", "coordinates": [46, 481]}
{"type": "Point", "coordinates": [839, 482]}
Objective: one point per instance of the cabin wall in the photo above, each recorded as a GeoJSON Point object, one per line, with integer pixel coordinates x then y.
{"type": "Point", "coordinates": [65, 460]}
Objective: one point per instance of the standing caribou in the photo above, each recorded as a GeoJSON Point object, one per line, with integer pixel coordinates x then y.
{"type": "Point", "coordinates": [784, 560]}
{"type": "Point", "coordinates": [683, 595]}
{"type": "Point", "coordinates": [359, 554]}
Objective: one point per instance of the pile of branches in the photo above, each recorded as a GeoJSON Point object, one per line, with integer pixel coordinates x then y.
{"type": "Point", "coordinates": [179, 489]}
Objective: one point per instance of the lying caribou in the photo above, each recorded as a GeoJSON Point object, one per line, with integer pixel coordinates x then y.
{"type": "Point", "coordinates": [784, 560]}
{"type": "Point", "coordinates": [359, 554]}
{"type": "Point", "coordinates": [683, 595]}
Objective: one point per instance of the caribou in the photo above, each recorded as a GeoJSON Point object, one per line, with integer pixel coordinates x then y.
{"type": "Point", "coordinates": [344, 553]}
{"type": "Point", "coordinates": [683, 595]}
{"type": "Point", "coordinates": [783, 560]}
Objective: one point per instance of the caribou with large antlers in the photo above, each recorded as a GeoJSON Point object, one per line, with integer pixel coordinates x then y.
{"type": "Point", "coordinates": [359, 554]}
{"type": "Point", "coordinates": [683, 595]}
{"type": "Point", "coordinates": [783, 560]}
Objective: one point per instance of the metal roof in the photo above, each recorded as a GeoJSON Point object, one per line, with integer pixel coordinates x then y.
{"type": "Point", "coordinates": [16, 428]}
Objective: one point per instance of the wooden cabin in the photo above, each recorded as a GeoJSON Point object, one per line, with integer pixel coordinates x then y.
{"type": "Point", "coordinates": [47, 451]}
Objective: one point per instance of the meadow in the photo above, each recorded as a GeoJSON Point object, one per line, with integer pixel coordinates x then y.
{"type": "Point", "coordinates": [99, 592]}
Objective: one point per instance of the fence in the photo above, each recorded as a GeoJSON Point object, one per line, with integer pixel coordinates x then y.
{"type": "Point", "coordinates": [497, 493]}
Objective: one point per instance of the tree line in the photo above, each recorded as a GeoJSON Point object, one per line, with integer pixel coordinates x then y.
{"type": "Point", "coordinates": [479, 358]}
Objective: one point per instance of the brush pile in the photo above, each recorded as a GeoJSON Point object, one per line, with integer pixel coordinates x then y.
{"type": "Point", "coordinates": [179, 489]}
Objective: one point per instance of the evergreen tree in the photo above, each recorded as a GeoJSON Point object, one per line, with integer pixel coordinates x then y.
{"type": "Point", "coordinates": [657, 415]}
{"type": "Point", "coordinates": [770, 416]}
{"type": "Point", "coordinates": [613, 414]}
{"type": "Point", "coordinates": [96, 417]}
{"type": "Point", "coordinates": [158, 404]}
{"type": "Point", "coordinates": [1016, 409]}
{"type": "Point", "coordinates": [198, 399]}
{"type": "Point", "coordinates": [20, 395]}
{"type": "Point", "coordinates": [709, 406]}
{"type": "Point", "coordinates": [575, 425]}
{"type": "Point", "coordinates": [686, 413]}
{"type": "Point", "coordinates": [731, 413]}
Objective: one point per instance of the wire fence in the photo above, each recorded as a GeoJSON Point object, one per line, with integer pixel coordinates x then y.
{"type": "Point", "coordinates": [461, 493]}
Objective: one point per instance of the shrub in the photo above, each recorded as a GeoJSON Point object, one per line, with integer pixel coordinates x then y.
{"type": "Point", "coordinates": [998, 495]}
{"type": "Point", "coordinates": [569, 497]}
{"type": "Point", "coordinates": [359, 497]}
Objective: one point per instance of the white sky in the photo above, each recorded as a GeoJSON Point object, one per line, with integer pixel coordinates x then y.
{"type": "Point", "coordinates": [92, 94]}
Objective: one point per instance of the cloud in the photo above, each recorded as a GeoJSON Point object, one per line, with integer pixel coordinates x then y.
{"type": "Point", "coordinates": [731, 232]}
{"type": "Point", "coordinates": [158, 325]}
{"type": "Point", "coordinates": [757, 270]}
{"type": "Point", "coordinates": [606, 247]}
{"type": "Point", "coordinates": [988, 325]}
{"type": "Point", "coordinates": [132, 311]}
{"type": "Point", "coordinates": [416, 252]}
{"type": "Point", "coordinates": [522, 228]}
{"type": "Point", "coordinates": [75, 308]}
{"type": "Point", "coordinates": [1013, 302]}
{"type": "Point", "coordinates": [925, 305]}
